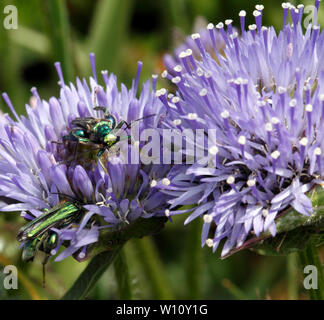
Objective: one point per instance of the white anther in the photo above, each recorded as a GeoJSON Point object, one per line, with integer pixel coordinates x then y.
{"type": "Point", "coordinates": [164, 74]}
{"type": "Point", "coordinates": [176, 80]}
{"type": "Point", "coordinates": [182, 54]}
{"type": "Point", "coordinates": [275, 155]}
{"type": "Point", "coordinates": [242, 13]}
{"type": "Point", "coordinates": [230, 180]}
{"type": "Point", "coordinates": [209, 243]}
{"type": "Point", "coordinates": [160, 92]}
{"type": "Point", "coordinates": [166, 181]}
{"type": "Point", "coordinates": [208, 218]}
{"type": "Point", "coordinates": [192, 116]}
{"type": "Point", "coordinates": [213, 150]}
{"type": "Point", "coordinates": [275, 120]}
{"type": "Point", "coordinates": [203, 92]}
{"type": "Point", "coordinates": [177, 68]}
{"type": "Point", "coordinates": [268, 126]}
{"type": "Point", "coordinates": [242, 140]}
{"type": "Point", "coordinates": [309, 108]}
{"type": "Point", "coordinates": [200, 72]}
{"type": "Point", "coordinates": [175, 99]}
{"type": "Point", "coordinates": [153, 183]}
{"type": "Point", "coordinates": [210, 26]}
{"type": "Point", "coordinates": [293, 103]}
{"type": "Point", "coordinates": [282, 90]}
{"type": "Point", "coordinates": [265, 212]}
{"type": "Point", "coordinates": [177, 122]}
{"type": "Point", "coordinates": [251, 182]}
{"type": "Point", "coordinates": [225, 114]}
{"type": "Point", "coordinates": [220, 25]}
{"type": "Point", "coordinates": [167, 212]}
{"type": "Point", "coordinates": [317, 151]}
{"type": "Point", "coordinates": [195, 36]}
{"type": "Point", "coordinates": [303, 141]}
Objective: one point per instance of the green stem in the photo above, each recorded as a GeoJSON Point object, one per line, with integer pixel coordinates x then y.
{"type": "Point", "coordinates": [292, 270]}
{"type": "Point", "coordinates": [194, 261]}
{"type": "Point", "coordinates": [108, 31]}
{"type": "Point", "coordinates": [153, 268]}
{"type": "Point", "coordinates": [60, 36]}
{"type": "Point", "coordinates": [92, 273]}
{"type": "Point", "coordinates": [122, 275]}
{"type": "Point", "coordinates": [310, 257]}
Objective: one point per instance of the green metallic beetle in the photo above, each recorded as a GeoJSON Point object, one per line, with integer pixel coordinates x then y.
{"type": "Point", "coordinates": [97, 131]}
{"type": "Point", "coordinates": [38, 235]}
{"type": "Point", "coordinates": [59, 216]}
{"type": "Point", "coordinates": [101, 132]}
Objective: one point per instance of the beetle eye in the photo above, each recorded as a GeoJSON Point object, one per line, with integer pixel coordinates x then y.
{"type": "Point", "coordinates": [112, 121]}
{"type": "Point", "coordinates": [79, 133]}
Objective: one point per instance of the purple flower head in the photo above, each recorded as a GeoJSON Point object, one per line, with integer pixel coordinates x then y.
{"type": "Point", "coordinates": [206, 36]}
{"type": "Point", "coordinates": [38, 170]}
{"type": "Point", "coordinates": [261, 107]}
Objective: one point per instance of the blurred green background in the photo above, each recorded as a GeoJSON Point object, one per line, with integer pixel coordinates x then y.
{"type": "Point", "coordinates": [121, 32]}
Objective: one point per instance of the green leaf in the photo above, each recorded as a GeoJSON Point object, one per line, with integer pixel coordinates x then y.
{"type": "Point", "coordinates": [310, 257]}
{"type": "Point", "coordinates": [32, 40]}
{"type": "Point", "coordinates": [92, 273]}
{"type": "Point", "coordinates": [153, 268]}
{"type": "Point", "coordinates": [122, 276]}
{"type": "Point", "coordinates": [194, 257]}
{"type": "Point", "coordinates": [108, 32]}
{"type": "Point", "coordinates": [60, 36]}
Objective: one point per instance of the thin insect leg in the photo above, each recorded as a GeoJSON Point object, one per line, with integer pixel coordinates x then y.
{"type": "Point", "coordinates": [57, 142]}
{"type": "Point", "coordinates": [102, 165]}
{"type": "Point", "coordinates": [98, 108]}
{"type": "Point", "coordinates": [121, 123]}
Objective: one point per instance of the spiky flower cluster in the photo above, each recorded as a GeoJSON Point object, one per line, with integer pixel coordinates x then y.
{"type": "Point", "coordinates": [37, 171]}
{"type": "Point", "coordinates": [265, 98]}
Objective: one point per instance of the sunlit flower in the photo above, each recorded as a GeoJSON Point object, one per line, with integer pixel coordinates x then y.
{"type": "Point", "coordinates": [37, 170]}
{"type": "Point", "coordinates": [265, 98]}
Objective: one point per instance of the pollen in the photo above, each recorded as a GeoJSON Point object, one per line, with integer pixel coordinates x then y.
{"type": "Point", "coordinates": [225, 114]}
{"type": "Point", "coordinates": [153, 183]}
{"type": "Point", "coordinates": [317, 151]}
{"type": "Point", "coordinates": [208, 218]}
{"type": "Point", "coordinates": [166, 181]}
{"type": "Point", "coordinates": [195, 36]}
{"type": "Point", "coordinates": [303, 141]}
{"type": "Point", "coordinates": [209, 242]}
{"type": "Point", "coordinates": [192, 116]}
{"type": "Point", "coordinates": [242, 140]}
{"type": "Point", "coordinates": [275, 155]}
{"type": "Point", "coordinates": [230, 180]}
{"type": "Point", "coordinates": [213, 150]}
